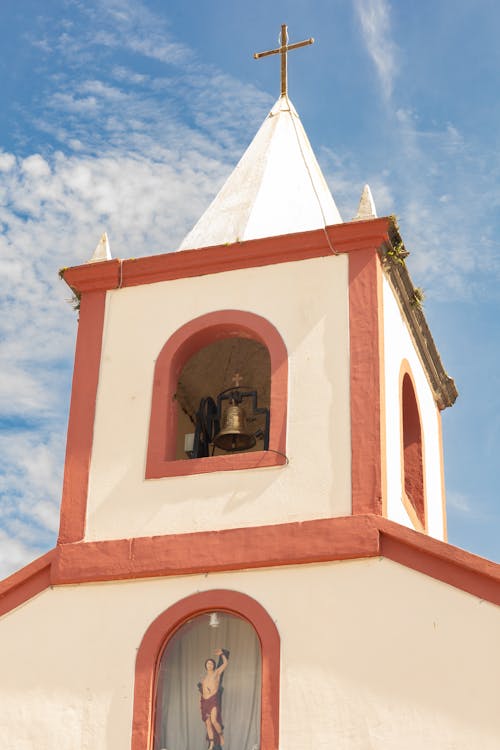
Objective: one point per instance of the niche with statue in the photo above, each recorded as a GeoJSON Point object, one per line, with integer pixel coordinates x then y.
{"type": "Point", "coordinates": [208, 686]}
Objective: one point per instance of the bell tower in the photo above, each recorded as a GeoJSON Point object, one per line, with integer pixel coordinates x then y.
{"type": "Point", "coordinates": [277, 368]}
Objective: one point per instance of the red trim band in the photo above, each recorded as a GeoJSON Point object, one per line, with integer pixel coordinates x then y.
{"type": "Point", "coordinates": [26, 583]}
{"type": "Point", "coordinates": [328, 540]}
{"type": "Point", "coordinates": [231, 549]}
{"type": "Point", "coordinates": [345, 238]}
{"type": "Point", "coordinates": [81, 417]}
{"type": "Point", "coordinates": [366, 436]}
{"type": "Point", "coordinates": [325, 540]}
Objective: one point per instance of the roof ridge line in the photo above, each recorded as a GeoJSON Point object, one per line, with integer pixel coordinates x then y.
{"type": "Point", "coordinates": [313, 185]}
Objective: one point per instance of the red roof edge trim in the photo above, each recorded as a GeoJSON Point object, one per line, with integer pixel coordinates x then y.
{"type": "Point", "coordinates": [26, 582]}
{"type": "Point", "coordinates": [440, 560]}
{"type": "Point", "coordinates": [339, 238]}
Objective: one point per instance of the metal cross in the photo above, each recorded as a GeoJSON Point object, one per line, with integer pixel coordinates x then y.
{"type": "Point", "coordinates": [282, 50]}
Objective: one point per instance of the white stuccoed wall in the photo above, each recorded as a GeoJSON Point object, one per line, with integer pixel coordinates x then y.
{"type": "Point", "coordinates": [375, 656]}
{"type": "Point", "coordinates": [398, 345]}
{"type": "Point", "coordinates": [307, 302]}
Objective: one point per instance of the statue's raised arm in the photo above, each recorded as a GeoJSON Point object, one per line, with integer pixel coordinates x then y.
{"type": "Point", "coordinates": [223, 654]}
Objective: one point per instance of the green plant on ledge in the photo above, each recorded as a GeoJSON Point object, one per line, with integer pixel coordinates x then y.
{"type": "Point", "coordinates": [74, 300]}
{"type": "Point", "coordinates": [418, 296]}
{"type": "Point", "coordinates": [397, 251]}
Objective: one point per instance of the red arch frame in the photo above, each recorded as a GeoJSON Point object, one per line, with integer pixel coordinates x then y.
{"type": "Point", "coordinates": [412, 458]}
{"type": "Point", "coordinates": [164, 627]}
{"type": "Point", "coordinates": [185, 342]}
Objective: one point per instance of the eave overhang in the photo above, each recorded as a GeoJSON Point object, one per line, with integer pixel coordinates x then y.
{"type": "Point", "coordinates": [393, 254]}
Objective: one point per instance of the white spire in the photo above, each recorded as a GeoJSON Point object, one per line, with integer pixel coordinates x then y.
{"type": "Point", "coordinates": [366, 208]}
{"type": "Point", "coordinates": [276, 188]}
{"type": "Point", "coordinates": [102, 251]}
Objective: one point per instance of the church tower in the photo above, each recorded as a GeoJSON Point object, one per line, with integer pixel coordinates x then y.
{"type": "Point", "coordinates": [273, 296]}
{"type": "Point", "coordinates": [252, 548]}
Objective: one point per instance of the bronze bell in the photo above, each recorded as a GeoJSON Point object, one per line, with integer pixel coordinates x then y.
{"type": "Point", "coordinates": [234, 435]}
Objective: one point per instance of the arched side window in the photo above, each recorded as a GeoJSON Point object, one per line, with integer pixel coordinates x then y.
{"type": "Point", "coordinates": [220, 350]}
{"type": "Point", "coordinates": [412, 451]}
{"type": "Point", "coordinates": [174, 656]}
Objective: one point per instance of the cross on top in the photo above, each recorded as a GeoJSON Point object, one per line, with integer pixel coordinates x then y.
{"type": "Point", "coordinates": [282, 50]}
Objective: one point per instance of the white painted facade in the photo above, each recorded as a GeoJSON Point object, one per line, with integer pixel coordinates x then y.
{"type": "Point", "coordinates": [276, 188]}
{"type": "Point", "coordinates": [311, 314]}
{"type": "Point", "coordinates": [399, 346]}
{"type": "Point", "coordinates": [372, 657]}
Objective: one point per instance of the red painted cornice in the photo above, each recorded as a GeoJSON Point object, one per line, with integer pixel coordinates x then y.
{"type": "Point", "coordinates": [93, 277]}
{"type": "Point", "coordinates": [326, 540]}
{"type": "Point", "coordinates": [343, 238]}
{"type": "Point", "coordinates": [209, 551]}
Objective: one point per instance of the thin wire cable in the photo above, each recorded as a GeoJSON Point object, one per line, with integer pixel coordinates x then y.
{"type": "Point", "coordinates": [287, 460]}
{"type": "Point", "coordinates": [335, 252]}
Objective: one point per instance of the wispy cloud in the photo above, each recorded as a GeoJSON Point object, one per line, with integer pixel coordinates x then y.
{"type": "Point", "coordinates": [446, 197]}
{"type": "Point", "coordinates": [459, 502]}
{"type": "Point", "coordinates": [30, 476]}
{"type": "Point", "coordinates": [447, 202]}
{"type": "Point", "coordinates": [375, 19]}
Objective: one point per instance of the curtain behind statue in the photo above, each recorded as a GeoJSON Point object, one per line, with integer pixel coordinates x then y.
{"type": "Point", "coordinates": [178, 718]}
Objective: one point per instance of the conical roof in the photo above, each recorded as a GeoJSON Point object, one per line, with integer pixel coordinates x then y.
{"type": "Point", "coordinates": [276, 188]}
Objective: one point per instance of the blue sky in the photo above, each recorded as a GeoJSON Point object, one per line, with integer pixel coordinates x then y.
{"type": "Point", "coordinates": [127, 117]}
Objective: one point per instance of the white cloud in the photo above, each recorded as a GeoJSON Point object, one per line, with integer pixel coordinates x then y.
{"type": "Point", "coordinates": [7, 161]}
{"type": "Point", "coordinates": [123, 25]}
{"type": "Point", "coordinates": [70, 103]}
{"type": "Point", "coordinates": [30, 477]}
{"type": "Point", "coordinates": [374, 16]}
{"type": "Point", "coordinates": [459, 502]}
{"type": "Point", "coordinates": [437, 174]}
{"type": "Point", "coordinates": [35, 166]}
{"type": "Point", "coordinates": [14, 554]}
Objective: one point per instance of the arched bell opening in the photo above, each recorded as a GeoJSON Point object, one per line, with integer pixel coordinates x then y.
{"type": "Point", "coordinates": [413, 469]}
{"type": "Point", "coordinates": [223, 399]}
{"type": "Point", "coordinates": [262, 361]}
{"type": "Point", "coordinates": [209, 685]}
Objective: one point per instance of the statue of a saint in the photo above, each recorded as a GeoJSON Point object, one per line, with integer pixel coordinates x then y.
{"type": "Point", "coordinates": [211, 699]}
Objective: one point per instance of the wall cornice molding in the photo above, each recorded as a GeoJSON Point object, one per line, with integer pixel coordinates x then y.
{"type": "Point", "coordinates": [310, 542]}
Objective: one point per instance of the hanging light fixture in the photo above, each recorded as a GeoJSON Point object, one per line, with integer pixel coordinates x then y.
{"type": "Point", "coordinates": [213, 620]}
